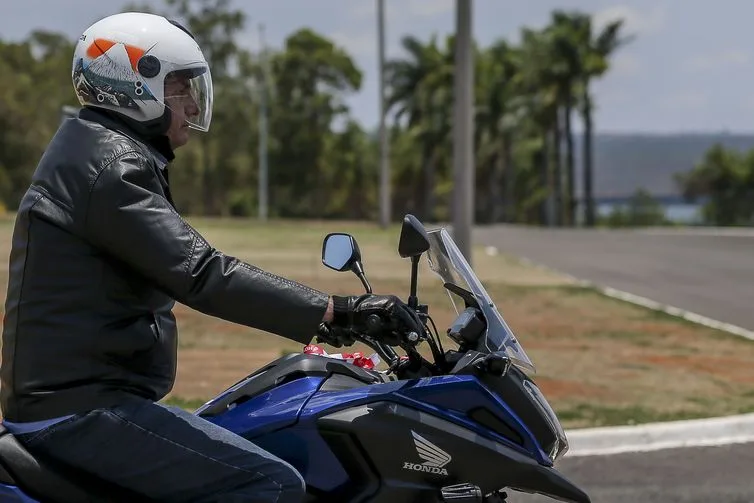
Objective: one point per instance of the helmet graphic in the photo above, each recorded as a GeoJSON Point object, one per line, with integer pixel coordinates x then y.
{"type": "Point", "coordinates": [121, 62]}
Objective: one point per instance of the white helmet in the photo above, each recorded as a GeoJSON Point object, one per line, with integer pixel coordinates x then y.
{"type": "Point", "coordinates": [120, 64]}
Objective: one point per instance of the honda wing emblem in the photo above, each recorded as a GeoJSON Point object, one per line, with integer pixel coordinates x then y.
{"type": "Point", "coordinates": [434, 458]}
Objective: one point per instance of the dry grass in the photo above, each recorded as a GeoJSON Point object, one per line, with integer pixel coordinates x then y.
{"type": "Point", "coordinates": [600, 361]}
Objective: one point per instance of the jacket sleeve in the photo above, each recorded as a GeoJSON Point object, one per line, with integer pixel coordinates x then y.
{"type": "Point", "coordinates": [129, 219]}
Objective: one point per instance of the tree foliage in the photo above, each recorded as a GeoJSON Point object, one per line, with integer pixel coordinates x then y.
{"type": "Point", "coordinates": [725, 179]}
{"type": "Point", "coordinates": [322, 162]}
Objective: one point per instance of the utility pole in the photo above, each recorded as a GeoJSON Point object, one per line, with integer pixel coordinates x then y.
{"type": "Point", "coordinates": [384, 144]}
{"type": "Point", "coordinates": [463, 131]}
{"type": "Point", "coordinates": [263, 169]}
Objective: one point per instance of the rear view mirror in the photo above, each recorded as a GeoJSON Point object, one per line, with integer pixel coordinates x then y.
{"type": "Point", "coordinates": [414, 240]}
{"type": "Point", "coordinates": [340, 251]}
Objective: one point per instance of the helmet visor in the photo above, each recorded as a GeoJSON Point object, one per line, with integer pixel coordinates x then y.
{"type": "Point", "coordinates": [188, 93]}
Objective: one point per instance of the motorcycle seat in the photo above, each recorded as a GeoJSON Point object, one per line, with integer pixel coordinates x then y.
{"type": "Point", "coordinates": [52, 484]}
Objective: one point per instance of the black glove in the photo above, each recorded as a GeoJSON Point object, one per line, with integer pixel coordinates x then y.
{"type": "Point", "coordinates": [334, 336]}
{"type": "Point", "coordinates": [384, 317]}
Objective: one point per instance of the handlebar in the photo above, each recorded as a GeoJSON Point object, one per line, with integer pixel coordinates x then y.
{"type": "Point", "coordinates": [371, 338]}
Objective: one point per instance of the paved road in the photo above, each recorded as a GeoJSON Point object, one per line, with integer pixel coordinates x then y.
{"type": "Point", "coordinates": [712, 275]}
{"type": "Point", "coordinates": [722, 474]}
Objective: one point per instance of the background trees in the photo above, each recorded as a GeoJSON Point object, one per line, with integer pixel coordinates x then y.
{"type": "Point", "coordinates": [324, 164]}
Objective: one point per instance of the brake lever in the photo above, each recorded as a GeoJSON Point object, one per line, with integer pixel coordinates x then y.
{"type": "Point", "coordinates": [385, 351]}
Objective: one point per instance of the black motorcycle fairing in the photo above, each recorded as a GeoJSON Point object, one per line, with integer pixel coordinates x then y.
{"type": "Point", "coordinates": [510, 388]}
{"type": "Point", "coordinates": [427, 453]}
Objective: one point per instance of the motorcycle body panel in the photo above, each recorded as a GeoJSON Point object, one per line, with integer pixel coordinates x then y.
{"type": "Point", "coordinates": [349, 437]}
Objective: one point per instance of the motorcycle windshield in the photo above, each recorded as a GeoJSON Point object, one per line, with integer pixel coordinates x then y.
{"type": "Point", "coordinates": [447, 261]}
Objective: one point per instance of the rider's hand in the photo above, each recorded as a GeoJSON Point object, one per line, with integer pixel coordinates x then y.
{"type": "Point", "coordinates": [334, 336]}
{"type": "Point", "coordinates": [384, 317]}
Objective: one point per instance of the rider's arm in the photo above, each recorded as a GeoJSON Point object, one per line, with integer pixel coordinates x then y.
{"type": "Point", "coordinates": [129, 218]}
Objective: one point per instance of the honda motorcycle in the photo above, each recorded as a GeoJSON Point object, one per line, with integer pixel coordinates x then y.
{"type": "Point", "coordinates": [463, 425]}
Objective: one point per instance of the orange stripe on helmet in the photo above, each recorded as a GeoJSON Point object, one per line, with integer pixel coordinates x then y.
{"type": "Point", "coordinates": [101, 45]}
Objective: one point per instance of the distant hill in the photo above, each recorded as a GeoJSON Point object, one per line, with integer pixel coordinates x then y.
{"type": "Point", "coordinates": [625, 162]}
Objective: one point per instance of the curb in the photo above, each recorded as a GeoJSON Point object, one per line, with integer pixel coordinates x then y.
{"type": "Point", "coordinates": [656, 436]}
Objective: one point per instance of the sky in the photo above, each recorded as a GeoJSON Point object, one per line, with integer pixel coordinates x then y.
{"type": "Point", "coordinates": [689, 68]}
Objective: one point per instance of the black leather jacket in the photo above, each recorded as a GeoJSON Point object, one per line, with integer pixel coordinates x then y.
{"type": "Point", "coordinates": [99, 258]}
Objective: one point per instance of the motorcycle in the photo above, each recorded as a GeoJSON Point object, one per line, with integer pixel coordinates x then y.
{"type": "Point", "coordinates": [463, 426]}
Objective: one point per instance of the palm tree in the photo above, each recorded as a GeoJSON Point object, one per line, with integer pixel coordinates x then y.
{"type": "Point", "coordinates": [420, 90]}
{"type": "Point", "coordinates": [596, 49]}
{"type": "Point", "coordinates": [565, 29]}
{"type": "Point", "coordinates": [539, 92]}
{"type": "Point", "coordinates": [498, 115]}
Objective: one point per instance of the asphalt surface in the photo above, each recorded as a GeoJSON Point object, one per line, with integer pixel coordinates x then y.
{"type": "Point", "coordinates": [711, 275]}
{"type": "Point", "coordinates": [723, 474]}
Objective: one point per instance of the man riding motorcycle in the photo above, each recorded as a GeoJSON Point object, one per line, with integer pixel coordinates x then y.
{"type": "Point", "coordinates": [100, 256]}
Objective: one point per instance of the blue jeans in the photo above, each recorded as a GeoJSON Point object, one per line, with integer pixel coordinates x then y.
{"type": "Point", "coordinates": [168, 454]}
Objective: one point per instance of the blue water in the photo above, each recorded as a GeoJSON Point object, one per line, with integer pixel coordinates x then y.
{"type": "Point", "coordinates": [676, 212]}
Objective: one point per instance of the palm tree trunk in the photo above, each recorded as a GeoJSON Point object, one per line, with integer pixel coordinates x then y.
{"type": "Point", "coordinates": [557, 170]}
{"type": "Point", "coordinates": [548, 206]}
{"type": "Point", "coordinates": [500, 188]}
{"type": "Point", "coordinates": [510, 179]}
{"type": "Point", "coordinates": [429, 187]}
{"type": "Point", "coordinates": [570, 169]}
{"type": "Point", "coordinates": [556, 173]}
{"type": "Point", "coordinates": [589, 216]}
{"type": "Point", "coordinates": [494, 194]}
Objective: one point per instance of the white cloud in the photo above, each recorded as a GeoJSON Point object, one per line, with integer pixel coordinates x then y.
{"type": "Point", "coordinates": [625, 64]}
{"type": "Point", "coordinates": [427, 8]}
{"type": "Point", "coordinates": [362, 9]}
{"type": "Point", "coordinates": [400, 10]}
{"type": "Point", "coordinates": [731, 58]}
{"type": "Point", "coordinates": [612, 97]}
{"type": "Point", "coordinates": [634, 22]}
{"type": "Point", "coordinates": [356, 44]}
{"type": "Point", "coordinates": [687, 100]}
{"type": "Point", "coordinates": [360, 39]}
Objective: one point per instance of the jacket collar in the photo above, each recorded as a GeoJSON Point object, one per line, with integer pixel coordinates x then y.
{"type": "Point", "coordinates": [158, 145]}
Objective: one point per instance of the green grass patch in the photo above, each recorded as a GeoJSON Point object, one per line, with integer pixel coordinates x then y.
{"type": "Point", "coordinates": [189, 404]}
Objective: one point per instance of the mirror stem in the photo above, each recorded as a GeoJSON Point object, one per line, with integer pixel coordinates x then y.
{"type": "Point", "coordinates": [359, 271]}
{"type": "Point", "coordinates": [413, 301]}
